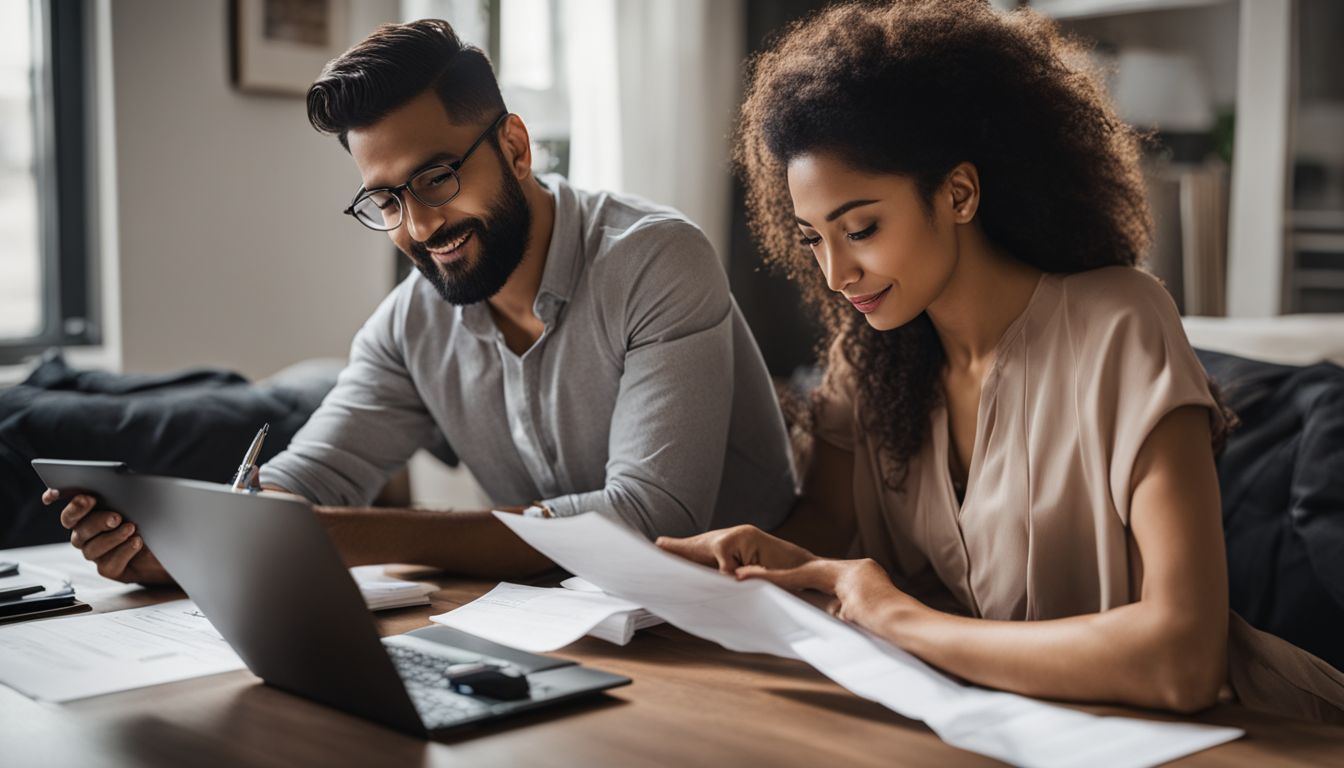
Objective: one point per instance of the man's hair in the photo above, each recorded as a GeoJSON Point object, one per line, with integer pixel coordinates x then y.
{"type": "Point", "coordinates": [394, 65]}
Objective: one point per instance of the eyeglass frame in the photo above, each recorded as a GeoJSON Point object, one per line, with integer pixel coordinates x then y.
{"type": "Point", "coordinates": [455, 166]}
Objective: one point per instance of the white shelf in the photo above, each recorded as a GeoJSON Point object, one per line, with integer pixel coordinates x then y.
{"type": "Point", "coordinates": [1080, 9]}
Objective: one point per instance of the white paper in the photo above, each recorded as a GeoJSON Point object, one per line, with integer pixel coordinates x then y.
{"type": "Point", "coordinates": [619, 628]}
{"type": "Point", "coordinates": [535, 619]}
{"type": "Point", "coordinates": [756, 616]}
{"type": "Point", "coordinates": [65, 562]}
{"type": "Point", "coordinates": [81, 656]}
{"type": "Point", "coordinates": [382, 592]}
{"type": "Point", "coordinates": [580, 585]}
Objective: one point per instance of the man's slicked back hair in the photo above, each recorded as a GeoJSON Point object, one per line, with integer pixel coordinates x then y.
{"type": "Point", "coordinates": [394, 65]}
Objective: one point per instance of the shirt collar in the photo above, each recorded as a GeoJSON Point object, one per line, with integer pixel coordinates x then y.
{"type": "Point", "coordinates": [564, 263]}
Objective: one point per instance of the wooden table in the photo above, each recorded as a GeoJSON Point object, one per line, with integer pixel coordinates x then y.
{"type": "Point", "coordinates": [692, 703]}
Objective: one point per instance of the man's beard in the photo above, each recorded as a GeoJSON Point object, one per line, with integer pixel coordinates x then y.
{"type": "Point", "coordinates": [501, 239]}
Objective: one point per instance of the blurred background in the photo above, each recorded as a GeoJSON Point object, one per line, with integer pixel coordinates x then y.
{"type": "Point", "coordinates": [164, 203]}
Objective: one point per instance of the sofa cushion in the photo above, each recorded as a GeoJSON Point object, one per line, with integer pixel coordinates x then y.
{"type": "Point", "coordinates": [194, 424]}
{"type": "Point", "coordinates": [1282, 481]}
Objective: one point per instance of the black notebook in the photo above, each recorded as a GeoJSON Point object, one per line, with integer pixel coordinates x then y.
{"type": "Point", "coordinates": [18, 603]}
{"type": "Point", "coordinates": [74, 606]}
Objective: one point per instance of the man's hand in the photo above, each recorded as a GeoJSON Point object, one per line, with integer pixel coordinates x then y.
{"type": "Point", "coordinates": [731, 548]}
{"type": "Point", "coordinates": [108, 540]}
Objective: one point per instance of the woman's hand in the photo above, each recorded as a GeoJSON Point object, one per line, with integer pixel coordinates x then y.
{"type": "Point", "coordinates": [861, 590]}
{"type": "Point", "coordinates": [729, 549]}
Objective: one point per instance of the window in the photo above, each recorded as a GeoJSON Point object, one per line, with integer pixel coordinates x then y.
{"type": "Point", "coordinates": [523, 39]}
{"type": "Point", "coordinates": [528, 57]}
{"type": "Point", "coordinates": [45, 178]}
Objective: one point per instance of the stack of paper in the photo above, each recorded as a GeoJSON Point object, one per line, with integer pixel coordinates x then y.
{"type": "Point", "coordinates": [382, 592]}
{"type": "Point", "coordinates": [619, 627]}
{"type": "Point", "coordinates": [538, 619]}
{"type": "Point", "coordinates": [758, 617]}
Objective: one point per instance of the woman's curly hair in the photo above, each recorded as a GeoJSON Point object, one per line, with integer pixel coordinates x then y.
{"type": "Point", "coordinates": [915, 87]}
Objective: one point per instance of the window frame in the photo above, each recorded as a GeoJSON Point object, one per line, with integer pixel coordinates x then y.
{"type": "Point", "coordinates": [66, 181]}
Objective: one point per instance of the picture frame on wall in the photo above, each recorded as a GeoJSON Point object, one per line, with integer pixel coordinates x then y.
{"type": "Point", "coordinates": [280, 46]}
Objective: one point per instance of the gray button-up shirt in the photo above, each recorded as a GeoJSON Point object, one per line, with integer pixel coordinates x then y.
{"type": "Point", "coordinates": [645, 397]}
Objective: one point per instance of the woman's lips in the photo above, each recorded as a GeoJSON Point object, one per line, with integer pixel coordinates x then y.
{"type": "Point", "coordinates": [870, 302]}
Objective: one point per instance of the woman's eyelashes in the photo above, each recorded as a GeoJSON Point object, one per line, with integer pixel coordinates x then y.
{"type": "Point", "coordinates": [862, 234]}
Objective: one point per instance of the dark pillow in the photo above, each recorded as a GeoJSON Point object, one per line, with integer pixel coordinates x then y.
{"type": "Point", "coordinates": [1282, 482]}
{"type": "Point", "coordinates": [195, 424]}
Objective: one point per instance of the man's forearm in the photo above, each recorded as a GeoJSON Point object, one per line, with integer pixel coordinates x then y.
{"type": "Point", "coordinates": [469, 543]}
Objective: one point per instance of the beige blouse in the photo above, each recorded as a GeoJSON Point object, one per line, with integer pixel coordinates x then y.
{"type": "Point", "coordinates": [1080, 379]}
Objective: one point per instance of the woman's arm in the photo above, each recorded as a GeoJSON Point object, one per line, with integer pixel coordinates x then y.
{"type": "Point", "coordinates": [822, 521]}
{"type": "Point", "coordinates": [1168, 650]}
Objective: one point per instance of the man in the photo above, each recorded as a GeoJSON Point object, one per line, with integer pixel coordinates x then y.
{"type": "Point", "coordinates": [580, 351]}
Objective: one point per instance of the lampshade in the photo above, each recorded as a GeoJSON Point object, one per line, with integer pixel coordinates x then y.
{"type": "Point", "coordinates": [1163, 90]}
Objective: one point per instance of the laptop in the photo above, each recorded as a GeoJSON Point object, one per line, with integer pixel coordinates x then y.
{"type": "Point", "coordinates": [264, 572]}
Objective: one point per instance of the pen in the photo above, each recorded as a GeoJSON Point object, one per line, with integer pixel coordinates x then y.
{"type": "Point", "coordinates": [242, 480]}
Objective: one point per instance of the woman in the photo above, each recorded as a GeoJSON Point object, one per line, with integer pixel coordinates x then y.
{"type": "Point", "coordinates": [1013, 428]}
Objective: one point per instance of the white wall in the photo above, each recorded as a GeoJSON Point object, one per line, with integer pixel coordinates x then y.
{"type": "Point", "coordinates": [230, 246]}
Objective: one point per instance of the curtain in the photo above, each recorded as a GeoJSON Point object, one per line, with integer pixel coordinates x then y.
{"type": "Point", "coordinates": [653, 88]}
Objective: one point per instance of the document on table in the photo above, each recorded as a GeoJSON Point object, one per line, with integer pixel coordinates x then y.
{"type": "Point", "coordinates": [538, 619]}
{"type": "Point", "coordinates": [64, 562]}
{"type": "Point", "coordinates": [619, 628]}
{"type": "Point", "coordinates": [756, 616]}
{"type": "Point", "coordinates": [81, 656]}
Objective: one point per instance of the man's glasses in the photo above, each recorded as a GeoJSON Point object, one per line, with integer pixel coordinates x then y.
{"type": "Point", "coordinates": [436, 185]}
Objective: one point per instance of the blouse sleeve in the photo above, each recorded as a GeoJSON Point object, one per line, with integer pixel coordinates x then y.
{"type": "Point", "coordinates": [833, 402]}
{"type": "Point", "coordinates": [1135, 367]}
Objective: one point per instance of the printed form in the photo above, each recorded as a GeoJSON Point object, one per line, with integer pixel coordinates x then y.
{"type": "Point", "coordinates": [81, 656]}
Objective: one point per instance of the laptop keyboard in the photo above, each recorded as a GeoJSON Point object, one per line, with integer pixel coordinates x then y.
{"type": "Point", "coordinates": [422, 672]}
